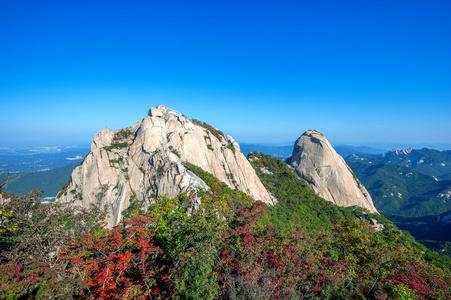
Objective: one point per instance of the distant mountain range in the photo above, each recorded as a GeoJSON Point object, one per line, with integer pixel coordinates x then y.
{"type": "Point", "coordinates": [281, 152]}
{"type": "Point", "coordinates": [417, 202]}
{"type": "Point", "coordinates": [345, 150]}
{"type": "Point", "coordinates": [429, 161]}
{"type": "Point", "coordinates": [284, 152]}
{"type": "Point", "coordinates": [399, 190]}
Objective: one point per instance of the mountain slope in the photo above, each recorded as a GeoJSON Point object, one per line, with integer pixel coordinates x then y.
{"type": "Point", "coordinates": [399, 190]}
{"type": "Point", "coordinates": [298, 203]}
{"type": "Point", "coordinates": [430, 228]}
{"type": "Point", "coordinates": [49, 181]}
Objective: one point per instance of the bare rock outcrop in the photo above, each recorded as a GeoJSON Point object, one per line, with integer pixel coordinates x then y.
{"type": "Point", "coordinates": [147, 159]}
{"type": "Point", "coordinates": [326, 172]}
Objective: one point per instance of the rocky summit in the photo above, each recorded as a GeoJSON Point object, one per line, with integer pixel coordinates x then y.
{"type": "Point", "coordinates": [316, 161]}
{"type": "Point", "coordinates": [148, 159]}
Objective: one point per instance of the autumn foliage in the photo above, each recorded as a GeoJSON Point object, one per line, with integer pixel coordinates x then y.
{"type": "Point", "coordinates": [117, 263]}
{"type": "Point", "coordinates": [229, 247]}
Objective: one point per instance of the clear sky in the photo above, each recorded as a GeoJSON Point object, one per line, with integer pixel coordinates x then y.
{"type": "Point", "coordinates": [358, 71]}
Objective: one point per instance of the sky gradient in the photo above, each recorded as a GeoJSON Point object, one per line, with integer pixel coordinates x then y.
{"type": "Point", "coordinates": [358, 71]}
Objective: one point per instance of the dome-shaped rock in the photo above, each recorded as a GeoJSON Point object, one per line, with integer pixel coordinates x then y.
{"type": "Point", "coordinates": [326, 172]}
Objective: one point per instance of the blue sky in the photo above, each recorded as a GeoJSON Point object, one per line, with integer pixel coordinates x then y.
{"type": "Point", "coordinates": [358, 71]}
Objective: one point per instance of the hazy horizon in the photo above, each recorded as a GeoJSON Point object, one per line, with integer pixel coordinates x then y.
{"type": "Point", "coordinates": [48, 148]}
{"type": "Point", "coordinates": [361, 73]}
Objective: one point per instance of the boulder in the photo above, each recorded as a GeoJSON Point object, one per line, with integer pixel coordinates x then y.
{"type": "Point", "coordinates": [315, 160]}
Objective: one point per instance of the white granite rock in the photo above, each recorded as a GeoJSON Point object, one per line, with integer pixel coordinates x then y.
{"type": "Point", "coordinates": [326, 172]}
{"type": "Point", "coordinates": [146, 160]}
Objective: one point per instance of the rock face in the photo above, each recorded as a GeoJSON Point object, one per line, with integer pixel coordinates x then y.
{"type": "Point", "coordinates": [146, 160]}
{"type": "Point", "coordinates": [326, 172]}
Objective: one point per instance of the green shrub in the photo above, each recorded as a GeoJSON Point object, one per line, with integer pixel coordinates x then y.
{"type": "Point", "coordinates": [216, 132]}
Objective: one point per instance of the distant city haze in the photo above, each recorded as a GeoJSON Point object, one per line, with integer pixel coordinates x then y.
{"type": "Point", "coordinates": [363, 73]}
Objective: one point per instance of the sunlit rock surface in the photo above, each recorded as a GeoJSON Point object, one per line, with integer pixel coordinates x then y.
{"type": "Point", "coordinates": [146, 160]}
{"type": "Point", "coordinates": [326, 172]}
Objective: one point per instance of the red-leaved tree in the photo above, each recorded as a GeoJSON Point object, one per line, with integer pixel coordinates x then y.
{"type": "Point", "coordinates": [116, 263]}
{"type": "Point", "coordinates": [259, 264]}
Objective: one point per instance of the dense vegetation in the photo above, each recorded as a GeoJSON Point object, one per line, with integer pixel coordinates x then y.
{"type": "Point", "coordinates": [401, 191]}
{"type": "Point", "coordinates": [294, 206]}
{"type": "Point", "coordinates": [436, 228]}
{"type": "Point", "coordinates": [414, 201]}
{"type": "Point", "coordinates": [432, 231]}
{"type": "Point", "coordinates": [230, 247]}
{"type": "Point", "coordinates": [216, 132]}
{"type": "Point", "coordinates": [298, 204]}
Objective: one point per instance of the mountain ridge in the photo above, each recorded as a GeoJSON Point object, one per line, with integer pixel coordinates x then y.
{"type": "Point", "coordinates": [147, 159]}
{"type": "Point", "coordinates": [399, 190]}
{"type": "Point", "coordinates": [429, 161]}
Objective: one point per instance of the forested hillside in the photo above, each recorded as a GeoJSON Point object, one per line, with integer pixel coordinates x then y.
{"type": "Point", "coordinates": [227, 246]}
{"type": "Point", "coordinates": [416, 202]}
{"type": "Point", "coordinates": [428, 229]}
{"type": "Point", "coordinates": [50, 182]}
{"type": "Point", "coordinates": [401, 191]}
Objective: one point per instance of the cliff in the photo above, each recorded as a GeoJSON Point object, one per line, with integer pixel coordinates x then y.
{"type": "Point", "coordinates": [147, 159]}
{"type": "Point", "coordinates": [326, 172]}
